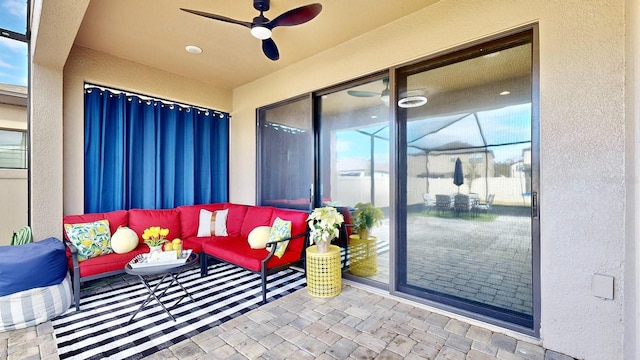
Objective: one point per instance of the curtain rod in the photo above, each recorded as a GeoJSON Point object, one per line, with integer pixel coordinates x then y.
{"type": "Point", "coordinates": [147, 97]}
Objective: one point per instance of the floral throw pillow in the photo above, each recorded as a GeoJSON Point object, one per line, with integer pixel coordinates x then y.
{"type": "Point", "coordinates": [281, 229]}
{"type": "Point", "coordinates": [92, 239]}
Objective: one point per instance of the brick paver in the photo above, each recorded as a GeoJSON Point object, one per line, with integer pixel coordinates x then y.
{"type": "Point", "coordinates": [357, 324]}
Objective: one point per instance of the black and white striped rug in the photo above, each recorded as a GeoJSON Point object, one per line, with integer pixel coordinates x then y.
{"type": "Point", "coordinates": [100, 329]}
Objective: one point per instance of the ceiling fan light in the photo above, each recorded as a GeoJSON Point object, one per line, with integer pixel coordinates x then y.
{"type": "Point", "coordinates": [261, 32]}
{"type": "Point", "coordinates": [412, 101]}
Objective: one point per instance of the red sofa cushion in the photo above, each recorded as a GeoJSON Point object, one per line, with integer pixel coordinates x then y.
{"type": "Point", "coordinates": [236, 250]}
{"type": "Point", "coordinates": [140, 219]}
{"type": "Point", "coordinates": [116, 219]}
{"type": "Point", "coordinates": [195, 243]}
{"type": "Point", "coordinates": [298, 226]}
{"type": "Point", "coordinates": [256, 216]}
{"type": "Point", "coordinates": [190, 217]}
{"type": "Point", "coordinates": [110, 262]}
{"type": "Point", "coordinates": [235, 218]}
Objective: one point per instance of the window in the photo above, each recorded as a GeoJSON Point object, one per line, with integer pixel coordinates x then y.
{"type": "Point", "coordinates": [13, 42]}
{"type": "Point", "coordinates": [13, 149]}
{"type": "Point", "coordinates": [475, 158]}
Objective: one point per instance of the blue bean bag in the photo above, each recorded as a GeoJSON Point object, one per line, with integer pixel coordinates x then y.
{"type": "Point", "coordinates": [33, 265]}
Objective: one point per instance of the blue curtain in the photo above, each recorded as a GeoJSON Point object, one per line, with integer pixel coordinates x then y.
{"type": "Point", "coordinates": [147, 154]}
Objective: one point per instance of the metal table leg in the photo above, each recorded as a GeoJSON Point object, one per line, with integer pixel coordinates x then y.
{"type": "Point", "coordinates": [152, 293]}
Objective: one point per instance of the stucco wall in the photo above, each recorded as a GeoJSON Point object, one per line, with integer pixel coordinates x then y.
{"type": "Point", "coordinates": [582, 195]}
{"type": "Point", "coordinates": [86, 65]}
{"type": "Point", "coordinates": [13, 182]}
{"type": "Point", "coordinates": [632, 169]}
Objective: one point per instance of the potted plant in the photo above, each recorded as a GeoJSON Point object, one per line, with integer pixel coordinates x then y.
{"type": "Point", "coordinates": [365, 217]}
{"type": "Point", "coordinates": [324, 223]}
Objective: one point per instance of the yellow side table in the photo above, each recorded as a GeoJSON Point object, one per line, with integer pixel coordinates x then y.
{"type": "Point", "coordinates": [363, 256]}
{"type": "Point", "coordinates": [324, 274]}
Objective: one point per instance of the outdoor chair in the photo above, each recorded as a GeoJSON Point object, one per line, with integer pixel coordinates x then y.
{"type": "Point", "coordinates": [485, 207]}
{"type": "Point", "coordinates": [443, 203]}
{"type": "Point", "coordinates": [428, 202]}
{"type": "Point", "coordinates": [462, 204]}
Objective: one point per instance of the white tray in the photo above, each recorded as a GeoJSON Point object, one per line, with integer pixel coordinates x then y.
{"type": "Point", "coordinates": [166, 258]}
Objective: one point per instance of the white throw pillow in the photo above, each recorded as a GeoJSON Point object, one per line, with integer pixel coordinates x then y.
{"type": "Point", "coordinates": [124, 240]}
{"type": "Point", "coordinates": [221, 222]}
{"type": "Point", "coordinates": [204, 224]}
{"type": "Point", "coordinates": [259, 237]}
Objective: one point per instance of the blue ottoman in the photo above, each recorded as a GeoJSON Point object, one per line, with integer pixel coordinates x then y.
{"type": "Point", "coordinates": [34, 283]}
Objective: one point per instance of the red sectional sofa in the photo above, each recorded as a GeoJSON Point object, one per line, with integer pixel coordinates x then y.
{"type": "Point", "coordinates": [182, 222]}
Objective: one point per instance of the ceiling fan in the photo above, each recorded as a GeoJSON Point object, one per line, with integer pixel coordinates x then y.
{"type": "Point", "coordinates": [261, 26]}
{"type": "Point", "coordinates": [408, 99]}
{"type": "Point", "coordinates": [383, 94]}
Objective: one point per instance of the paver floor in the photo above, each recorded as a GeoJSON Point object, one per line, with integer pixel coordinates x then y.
{"type": "Point", "coordinates": [357, 324]}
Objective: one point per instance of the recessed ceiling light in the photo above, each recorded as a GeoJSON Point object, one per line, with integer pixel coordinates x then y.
{"type": "Point", "coordinates": [374, 116]}
{"type": "Point", "coordinates": [193, 49]}
{"type": "Point", "coordinates": [505, 93]}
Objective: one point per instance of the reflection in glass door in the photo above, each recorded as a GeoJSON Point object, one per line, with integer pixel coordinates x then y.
{"type": "Point", "coordinates": [354, 166]}
{"type": "Point", "coordinates": [285, 158]}
{"type": "Point", "coordinates": [467, 235]}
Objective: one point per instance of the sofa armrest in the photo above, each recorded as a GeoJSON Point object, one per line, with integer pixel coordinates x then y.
{"type": "Point", "coordinates": [74, 255]}
{"type": "Point", "coordinates": [273, 248]}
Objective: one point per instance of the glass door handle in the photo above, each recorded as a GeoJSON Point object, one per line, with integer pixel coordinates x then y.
{"type": "Point", "coordinates": [534, 204]}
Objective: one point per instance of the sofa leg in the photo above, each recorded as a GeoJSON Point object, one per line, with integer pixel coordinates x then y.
{"type": "Point", "coordinates": [76, 291]}
{"type": "Point", "coordinates": [264, 286]}
{"type": "Point", "coordinates": [204, 269]}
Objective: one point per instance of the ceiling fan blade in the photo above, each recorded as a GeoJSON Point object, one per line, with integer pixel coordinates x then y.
{"type": "Point", "coordinates": [296, 16]}
{"type": "Point", "coordinates": [218, 17]}
{"type": "Point", "coordinates": [362, 93]}
{"type": "Point", "coordinates": [270, 49]}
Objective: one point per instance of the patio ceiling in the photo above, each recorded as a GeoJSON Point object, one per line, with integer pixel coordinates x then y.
{"type": "Point", "coordinates": [155, 33]}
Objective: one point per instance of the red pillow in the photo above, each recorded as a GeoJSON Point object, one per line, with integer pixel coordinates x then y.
{"type": "Point", "coordinates": [169, 219]}
{"type": "Point", "coordinates": [116, 219]}
{"type": "Point", "coordinates": [298, 219]}
{"type": "Point", "coordinates": [235, 218]}
{"type": "Point", "coordinates": [256, 216]}
{"type": "Point", "coordinates": [190, 215]}
{"type": "Point", "coordinates": [298, 226]}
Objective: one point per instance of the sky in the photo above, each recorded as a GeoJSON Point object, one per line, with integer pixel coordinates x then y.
{"type": "Point", "coordinates": [500, 126]}
{"type": "Point", "coordinates": [13, 53]}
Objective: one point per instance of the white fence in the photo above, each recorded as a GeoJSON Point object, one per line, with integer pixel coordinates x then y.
{"type": "Point", "coordinates": [353, 189]}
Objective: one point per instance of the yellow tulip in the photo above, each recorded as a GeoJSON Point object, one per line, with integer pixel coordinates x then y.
{"type": "Point", "coordinates": [164, 232]}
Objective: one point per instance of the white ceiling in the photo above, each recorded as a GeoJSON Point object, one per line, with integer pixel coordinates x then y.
{"type": "Point", "coordinates": [155, 33]}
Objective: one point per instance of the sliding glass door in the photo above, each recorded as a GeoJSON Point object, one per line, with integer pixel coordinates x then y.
{"type": "Point", "coordinates": [285, 154]}
{"type": "Point", "coordinates": [448, 148]}
{"type": "Point", "coordinates": [466, 237]}
{"type": "Point", "coordinates": [353, 164]}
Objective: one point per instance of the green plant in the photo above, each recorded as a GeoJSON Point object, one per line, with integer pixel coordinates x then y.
{"type": "Point", "coordinates": [365, 217]}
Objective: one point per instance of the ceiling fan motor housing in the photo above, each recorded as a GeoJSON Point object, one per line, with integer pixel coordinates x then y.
{"type": "Point", "coordinates": [261, 5]}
